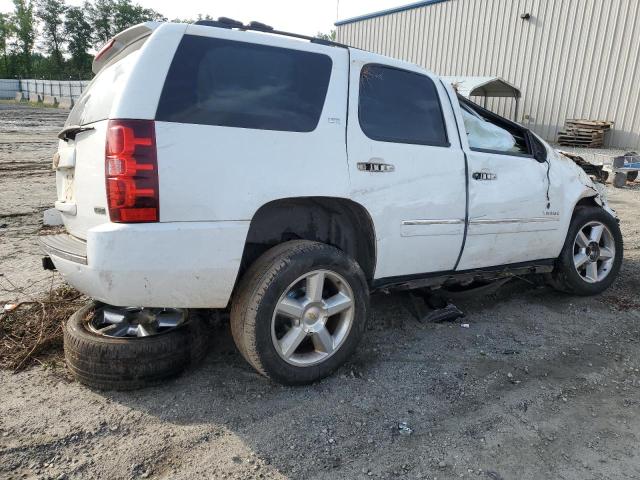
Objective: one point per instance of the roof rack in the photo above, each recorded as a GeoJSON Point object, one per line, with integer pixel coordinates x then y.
{"type": "Point", "coordinates": [230, 23]}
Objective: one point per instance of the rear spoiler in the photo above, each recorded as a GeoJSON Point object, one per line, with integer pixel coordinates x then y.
{"type": "Point", "coordinates": [120, 41]}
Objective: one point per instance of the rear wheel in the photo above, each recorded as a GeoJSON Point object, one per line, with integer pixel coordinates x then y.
{"type": "Point", "coordinates": [300, 311]}
{"type": "Point", "coordinates": [631, 176]}
{"type": "Point", "coordinates": [592, 254]}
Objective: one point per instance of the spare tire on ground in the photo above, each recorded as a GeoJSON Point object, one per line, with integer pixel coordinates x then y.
{"type": "Point", "coordinates": [114, 348]}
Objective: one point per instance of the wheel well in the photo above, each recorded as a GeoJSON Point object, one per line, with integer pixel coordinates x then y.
{"type": "Point", "coordinates": [586, 202]}
{"type": "Point", "coordinates": [335, 221]}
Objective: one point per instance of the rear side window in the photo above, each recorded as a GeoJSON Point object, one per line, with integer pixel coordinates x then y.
{"type": "Point", "coordinates": [236, 84]}
{"type": "Point", "coordinates": [400, 106]}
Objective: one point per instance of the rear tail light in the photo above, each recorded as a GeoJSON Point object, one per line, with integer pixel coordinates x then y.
{"type": "Point", "coordinates": [132, 171]}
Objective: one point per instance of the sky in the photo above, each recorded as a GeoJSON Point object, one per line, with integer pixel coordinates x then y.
{"type": "Point", "coordinates": [300, 16]}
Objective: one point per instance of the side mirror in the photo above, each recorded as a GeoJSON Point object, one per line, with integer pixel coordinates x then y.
{"type": "Point", "coordinates": [537, 147]}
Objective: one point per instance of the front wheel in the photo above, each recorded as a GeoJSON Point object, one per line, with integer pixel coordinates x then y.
{"type": "Point", "coordinates": [300, 311]}
{"type": "Point", "coordinates": [592, 254]}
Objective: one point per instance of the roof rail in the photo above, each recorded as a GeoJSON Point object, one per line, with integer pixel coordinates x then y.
{"type": "Point", "coordinates": [230, 23]}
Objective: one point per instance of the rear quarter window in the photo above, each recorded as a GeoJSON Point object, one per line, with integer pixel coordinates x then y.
{"type": "Point", "coordinates": [214, 81]}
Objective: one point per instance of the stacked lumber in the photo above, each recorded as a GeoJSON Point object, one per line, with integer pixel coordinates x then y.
{"type": "Point", "coordinates": [584, 133]}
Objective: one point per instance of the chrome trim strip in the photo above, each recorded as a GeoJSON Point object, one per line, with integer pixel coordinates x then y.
{"type": "Point", "coordinates": [65, 247]}
{"type": "Point", "coordinates": [483, 221]}
{"type": "Point", "coordinates": [455, 221]}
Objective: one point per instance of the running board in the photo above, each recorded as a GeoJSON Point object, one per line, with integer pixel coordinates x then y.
{"type": "Point", "coordinates": [436, 279]}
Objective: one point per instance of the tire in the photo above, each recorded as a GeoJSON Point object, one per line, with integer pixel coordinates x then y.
{"type": "Point", "coordinates": [109, 363]}
{"type": "Point", "coordinates": [277, 276]}
{"type": "Point", "coordinates": [619, 179]}
{"type": "Point", "coordinates": [631, 176]}
{"type": "Point", "coordinates": [569, 278]}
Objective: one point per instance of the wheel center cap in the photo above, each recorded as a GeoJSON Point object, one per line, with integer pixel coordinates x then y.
{"type": "Point", "coordinates": [593, 251]}
{"type": "Point", "coordinates": [312, 318]}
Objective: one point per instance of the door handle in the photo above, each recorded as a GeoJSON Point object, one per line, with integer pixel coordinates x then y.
{"type": "Point", "coordinates": [375, 167]}
{"type": "Point", "coordinates": [484, 176]}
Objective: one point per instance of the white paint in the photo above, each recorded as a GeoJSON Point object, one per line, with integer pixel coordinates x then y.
{"type": "Point", "coordinates": [186, 264]}
{"type": "Point", "coordinates": [214, 179]}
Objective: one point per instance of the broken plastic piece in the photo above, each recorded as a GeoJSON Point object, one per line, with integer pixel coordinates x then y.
{"type": "Point", "coordinates": [446, 314]}
{"type": "Point", "coordinates": [404, 428]}
{"type": "Point", "coordinates": [9, 307]}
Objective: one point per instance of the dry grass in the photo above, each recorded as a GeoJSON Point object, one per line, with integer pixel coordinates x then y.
{"type": "Point", "coordinates": [31, 332]}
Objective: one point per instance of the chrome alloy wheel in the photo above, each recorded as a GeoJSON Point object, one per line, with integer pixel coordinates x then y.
{"type": "Point", "coordinates": [135, 322]}
{"type": "Point", "coordinates": [594, 252]}
{"type": "Point", "coordinates": [313, 317]}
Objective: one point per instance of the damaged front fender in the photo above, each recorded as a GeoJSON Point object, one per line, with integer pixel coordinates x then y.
{"type": "Point", "coordinates": [590, 179]}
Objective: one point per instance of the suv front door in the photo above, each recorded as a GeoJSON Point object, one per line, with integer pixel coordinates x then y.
{"type": "Point", "coordinates": [406, 166]}
{"type": "Point", "coordinates": [513, 217]}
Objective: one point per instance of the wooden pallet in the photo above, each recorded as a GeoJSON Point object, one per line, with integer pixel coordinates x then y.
{"type": "Point", "coordinates": [584, 133]}
{"type": "Point", "coordinates": [589, 124]}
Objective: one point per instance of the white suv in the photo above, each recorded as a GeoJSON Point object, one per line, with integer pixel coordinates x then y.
{"type": "Point", "coordinates": [220, 165]}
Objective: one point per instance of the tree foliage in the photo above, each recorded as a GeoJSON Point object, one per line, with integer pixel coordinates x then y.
{"type": "Point", "coordinates": [78, 33]}
{"type": "Point", "coordinates": [50, 13]}
{"type": "Point", "coordinates": [67, 36]}
{"type": "Point", "coordinates": [24, 29]}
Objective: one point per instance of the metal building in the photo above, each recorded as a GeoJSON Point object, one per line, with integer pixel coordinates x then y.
{"type": "Point", "coordinates": [569, 58]}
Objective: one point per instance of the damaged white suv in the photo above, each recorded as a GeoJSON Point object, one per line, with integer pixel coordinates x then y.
{"type": "Point", "coordinates": [227, 166]}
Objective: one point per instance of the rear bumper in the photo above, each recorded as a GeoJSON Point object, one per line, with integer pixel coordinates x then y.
{"type": "Point", "coordinates": [186, 264]}
{"type": "Point", "coordinates": [66, 247]}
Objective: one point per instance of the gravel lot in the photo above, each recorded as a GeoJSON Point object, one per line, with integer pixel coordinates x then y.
{"type": "Point", "coordinates": [541, 385]}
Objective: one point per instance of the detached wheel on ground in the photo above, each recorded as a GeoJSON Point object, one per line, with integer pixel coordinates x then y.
{"type": "Point", "coordinates": [592, 254]}
{"type": "Point", "coordinates": [114, 348]}
{"type": "Point", "coordinates": [300, 311]}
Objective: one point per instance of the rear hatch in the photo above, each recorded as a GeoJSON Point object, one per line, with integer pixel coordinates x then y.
{"type": "Point", "coordinates": [80, 161]}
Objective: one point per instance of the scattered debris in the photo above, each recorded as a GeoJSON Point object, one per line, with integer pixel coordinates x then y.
{"type": "Point", "coordinates": [446, 314]}
{"type": "Point", "coordinates": [9, 307]}
{"type": "Point", "coordinates": [404, 428]}
{"type": "Point", "coordinates": [32, 331]}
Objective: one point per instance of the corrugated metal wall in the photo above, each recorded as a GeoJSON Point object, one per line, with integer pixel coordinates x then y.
{"type": "Point", "coordinates": [571, 59]}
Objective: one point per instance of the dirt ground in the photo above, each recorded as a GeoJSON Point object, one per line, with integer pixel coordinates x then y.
{"type": "Point", "coordinates": [541, 385]}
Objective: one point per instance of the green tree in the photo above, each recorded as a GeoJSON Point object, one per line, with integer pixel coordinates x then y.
{"type": "Point", "coordinates": [108, 17]}
{"type": "Point", "coordinates": [128, 14]}
{"type": "Point", "coordinates": [331, 36]}
{"type": "Point", "coordinates": [6, 33]}
{"type": "Point", "coordinates": [78, 33]}
{"type": "Point", "coordinates": [51, 12]}
{"type": "Point", "coordinates": [25, 33]}
{"type": "Point", "coordinates": [101, 19]}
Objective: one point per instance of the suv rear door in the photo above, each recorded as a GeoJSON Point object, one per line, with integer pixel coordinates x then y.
{"type": "Point", "coordinates": [406, 165]}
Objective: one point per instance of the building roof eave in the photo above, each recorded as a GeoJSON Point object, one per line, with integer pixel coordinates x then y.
{"type": "Point", "coordinates": [388, 11]}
